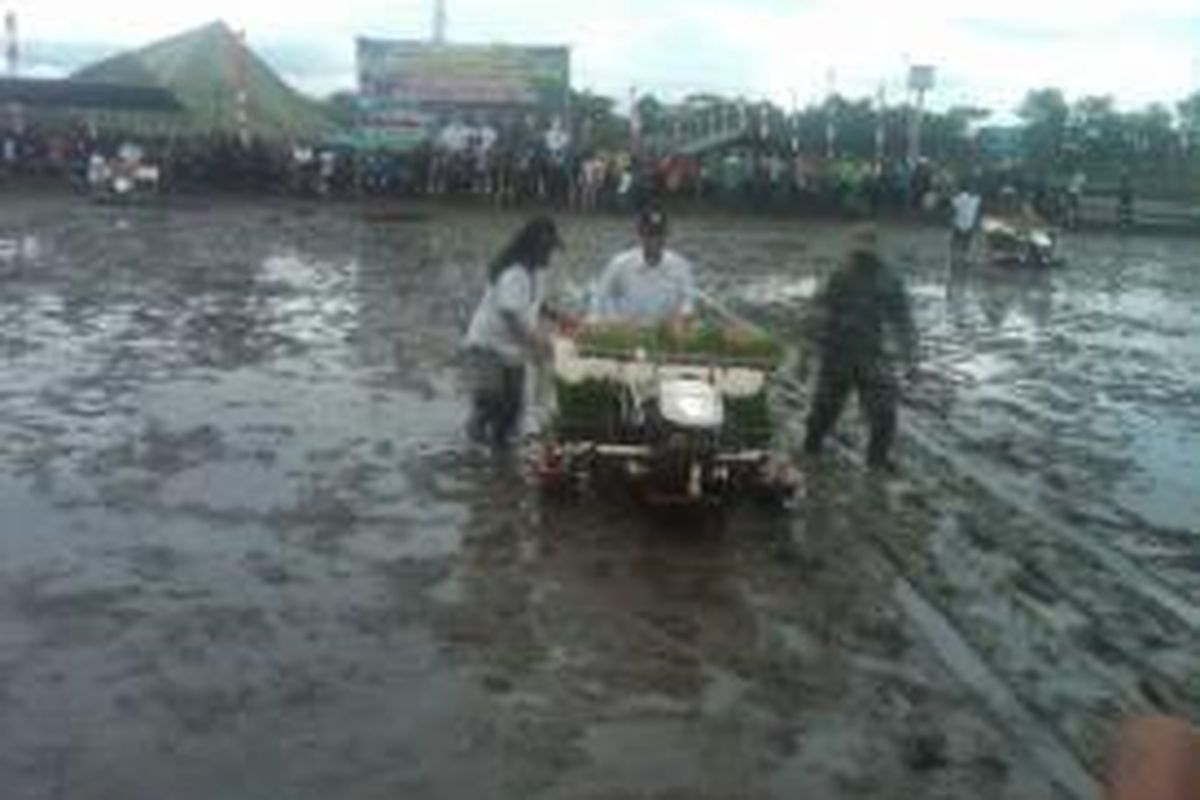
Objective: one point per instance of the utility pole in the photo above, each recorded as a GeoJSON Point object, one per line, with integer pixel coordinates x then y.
{"type": "Point", "coordinates": [880, 124]}
{"type": "Point", "coordinates": [830, 124]}
{"type": "Point", "coordinates": [12, 47]}
{"type": "Point", "coordinates": [920, 80]}
{"type": "Point", "coordinates": [439, 22]}
{"type": "Point", "coordinates": [635, 124]}
{"type": "Point", "coordinates": [12, 53]}
{"type": "Point", "coordinates": [794, 122]}
{"type": "Point", "coordinates": [242, 85]}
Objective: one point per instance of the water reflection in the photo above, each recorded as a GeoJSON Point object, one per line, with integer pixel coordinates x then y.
{"type": "Point", "coordinates": [1076, 377]}
{"type": "Point", "coordinates": [776, 289]}
{"type": "Point", "coordinates": [670, 653]}
{"type": "Point", "coordinates": [997, 294]}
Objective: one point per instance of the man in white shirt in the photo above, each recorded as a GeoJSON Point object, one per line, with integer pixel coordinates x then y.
{"type": "Point", "coordinates": [557, 140]}
{"type": "Point", "coordinates": [648, 284]}
{"type": "Point", "coordinates": [455, 137]}
{"type": "Point", "coordinates": [965, 206]}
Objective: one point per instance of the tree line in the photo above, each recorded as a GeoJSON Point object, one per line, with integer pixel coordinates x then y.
{"type": "Point", "coordinates": [1056, 135]}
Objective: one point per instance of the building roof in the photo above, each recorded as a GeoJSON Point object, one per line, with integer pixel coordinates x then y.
{"type": "Point", "coordinates": [205, 69]}
{"type": "Point", "coordinates": [78, 94]}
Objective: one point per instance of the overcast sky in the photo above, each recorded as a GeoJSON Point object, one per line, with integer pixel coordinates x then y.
{"type": "Point", "coordinates": [986, 53]}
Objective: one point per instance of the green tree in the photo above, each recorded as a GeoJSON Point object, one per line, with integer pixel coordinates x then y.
{"type": "Point", "coordinates": [651, 111]}
{"type": "Point", "coordinates": [704, 100]}
{"type": "Point", "coordinates": [342, 108]}
{"type": "Point", "coordinates": [1045, 112]}
{"type": "Point", "coordinates": [1189, 121]}
{"type": "Point", "coordinates": [1096, 135]}
{"type": "Point", "coordinates": [854, 122]}
{"type": "Point", "coordinates": [948, 136]}
{"type": "Point", "coordinates": [595, 122]}
{"type": "Point", "coordinates": [1153, 133]}
{"type": "Point", "coordinates": [1189, 112]}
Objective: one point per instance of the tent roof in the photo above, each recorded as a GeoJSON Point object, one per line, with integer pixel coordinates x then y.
{"type": "Point", "coordinates": [205, 69]}
{"type": "Point", "coordinates": [78, 94]}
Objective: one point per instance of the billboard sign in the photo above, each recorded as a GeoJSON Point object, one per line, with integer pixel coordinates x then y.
{"type": "Point", "coordinates": [414, 88]}
{"type": "Point", "coordinates": [920, 77]}
{"type": "Point", "coordinates": [1001, 143]}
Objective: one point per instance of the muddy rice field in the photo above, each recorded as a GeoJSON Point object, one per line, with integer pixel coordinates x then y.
{"type": "Point", "coordinates": [246, 551]}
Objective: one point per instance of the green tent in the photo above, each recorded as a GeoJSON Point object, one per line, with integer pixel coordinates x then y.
{"type": "Point", "coordinates": [205, 68]}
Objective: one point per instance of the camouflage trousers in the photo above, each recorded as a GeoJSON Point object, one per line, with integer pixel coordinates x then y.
{"type": "Point", "coordinates": [874, 381]}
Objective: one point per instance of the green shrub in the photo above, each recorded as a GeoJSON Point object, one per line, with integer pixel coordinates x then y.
{"type": "Point", "coordinates": [748, 421]}
{"type": "Point", "coordinates": [587, 408]}
{"type": "Point", "coordinates": [700, 341]}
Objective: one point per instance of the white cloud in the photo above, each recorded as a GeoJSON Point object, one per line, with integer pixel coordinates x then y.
{"type": "Point", "coordinates": [986, 53]}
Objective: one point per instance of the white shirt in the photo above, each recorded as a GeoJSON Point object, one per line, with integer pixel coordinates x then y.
{"type": "Point", "coordinates": [593, 171]}
{"type": "Point", "coordinates": [966, 211]}
{"type": "Point", "coordinates": [97, 169]}
{"type": "Point", "coordinates": [328, 161]}
{"type": "Point", "coordinates": [130, 152]}
{"type": "Point", "coordinates": [518, 291]}
{"type": "Point", "coordinates": [455, 137]}
{"type": "Point", "coordinates": [487, 137]}
{"type": "Point", "coordinates": [557, 140]}
{"type": "Point", "coordinates": [630, 289]}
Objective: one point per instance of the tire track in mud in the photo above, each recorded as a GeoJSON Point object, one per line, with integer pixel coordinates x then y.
{"type": "Point", "coordinates": [1155, 588]}
{"type": "Point", "coordinates": [981, 648]}
{"type": "Point", "coordinates": [1028, 636]}
{"type": "Point", "coordinates": [1061, 759]}
{"type": "Point", "coordinates": [969, 666]}
{"type": "Point", "coordinates": [1115, 673]}
{"type": "Point", "coordinates": [1077, 640]}
{"type": "Point", "coordinates": [765, 592]}
{"type": "Point", "coordinates": [1063, 442]}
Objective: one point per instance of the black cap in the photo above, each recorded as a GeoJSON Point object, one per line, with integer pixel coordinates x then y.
{"type": "Point", "coordinates": [652, 222]}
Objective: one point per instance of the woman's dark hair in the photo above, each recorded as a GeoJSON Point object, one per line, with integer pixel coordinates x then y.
{"type": "Point", "coordinates": [530, 247]}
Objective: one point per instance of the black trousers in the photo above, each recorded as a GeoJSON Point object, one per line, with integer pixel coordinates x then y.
{"type": "Point", "coordinates": [875, 384]}
{"type": "Point", "coordinates": [960, 244]}
{"type": "Point", "coordinates": [497, 398]}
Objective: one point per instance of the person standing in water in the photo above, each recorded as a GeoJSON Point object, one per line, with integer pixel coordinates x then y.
{"type": "Point", "coordinates": [965, 207]}
{"type": "Point", "coordinates": [1125, 201]}
{"type": "Point", "coordinates": [863, 301]}
{"type": "Point", "coordinates": [505, 334]}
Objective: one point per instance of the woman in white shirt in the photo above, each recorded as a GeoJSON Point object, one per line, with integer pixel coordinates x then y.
{"type": "Point", "coordinates": [504, 334]}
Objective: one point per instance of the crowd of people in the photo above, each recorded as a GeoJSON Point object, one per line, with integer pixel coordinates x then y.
{"type": "Point", "coordinates": [544, 171]}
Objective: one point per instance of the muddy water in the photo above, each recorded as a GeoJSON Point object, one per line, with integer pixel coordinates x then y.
{"type": "Point", "coordinates": [246, 553]}
{"type": "Point", "coordinates": [1051, 502]}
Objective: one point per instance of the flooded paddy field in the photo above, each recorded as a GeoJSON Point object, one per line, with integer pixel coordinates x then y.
{"type": "Point", "coordinates": [247, 552]}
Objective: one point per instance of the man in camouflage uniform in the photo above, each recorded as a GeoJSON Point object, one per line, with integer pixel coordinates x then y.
{"type": "Point", "coordinates": [863, 307]}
